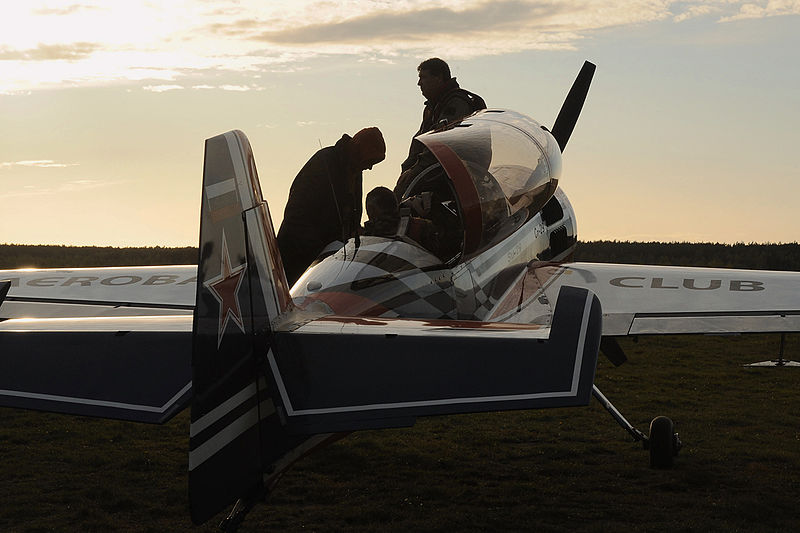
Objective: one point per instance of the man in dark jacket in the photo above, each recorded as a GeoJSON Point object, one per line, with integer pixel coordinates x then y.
{"type": "Point", "coordinates": [324, 202]}
{"type": "Point", "coordinates": [445, 101]}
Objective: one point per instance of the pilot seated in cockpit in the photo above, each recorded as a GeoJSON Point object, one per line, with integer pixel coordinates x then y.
{"type": "Point", "coordinates": [383, 213]}
{"type": "Point", "coordinates": [385, 220]}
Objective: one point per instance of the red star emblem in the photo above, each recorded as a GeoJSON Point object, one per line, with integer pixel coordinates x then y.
{"type": "Point", "coordinates": [225, 288]}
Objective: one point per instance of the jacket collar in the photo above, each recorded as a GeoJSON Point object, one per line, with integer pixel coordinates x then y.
{"type": "Point", "coordinates": [449, 87]}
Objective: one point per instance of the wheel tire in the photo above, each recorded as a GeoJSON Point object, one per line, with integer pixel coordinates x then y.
{"type": "Point", "coordinates": [662, 443]}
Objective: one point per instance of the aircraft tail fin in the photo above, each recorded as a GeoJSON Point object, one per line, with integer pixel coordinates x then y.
{"type": "Point", "coordinates": [241, 288]}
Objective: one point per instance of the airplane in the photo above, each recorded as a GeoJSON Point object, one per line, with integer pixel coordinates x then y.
{"type": "Point", "coordinates": [379, 330]}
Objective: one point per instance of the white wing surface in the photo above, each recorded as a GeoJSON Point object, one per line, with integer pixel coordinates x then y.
{"type": "Point", "coordinates": [645, 299]}
{"type": "Point", "coordinates": [110, 291]}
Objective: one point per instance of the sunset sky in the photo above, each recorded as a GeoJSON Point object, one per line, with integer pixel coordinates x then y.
{"type": "Point", "coordinates": [691, 131]}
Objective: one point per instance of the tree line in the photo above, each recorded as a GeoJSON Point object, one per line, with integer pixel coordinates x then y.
{"type": "Point", "coordinates": [47, 256]}
{"type": "Point", "coordinates": [750, 256]}
{"type": "Point", "coordinates": [740, 255]}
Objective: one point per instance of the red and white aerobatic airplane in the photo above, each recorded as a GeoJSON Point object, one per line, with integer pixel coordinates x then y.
{"type": "Point", "coordinates": [375, 333]}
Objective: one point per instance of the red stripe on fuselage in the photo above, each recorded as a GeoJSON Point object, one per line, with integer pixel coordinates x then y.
{"type": "Point", "coordinates": [347, 304]}
{"type": "Point", "coordinates": [465, 189]}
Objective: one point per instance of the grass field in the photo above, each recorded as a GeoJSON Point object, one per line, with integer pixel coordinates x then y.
{"type": "Point", "coordinates": [570, 470]}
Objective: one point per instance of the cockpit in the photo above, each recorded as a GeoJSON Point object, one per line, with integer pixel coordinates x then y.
{"type": "Point", "coordinates": [478, 181]}
{"type": "Point", "coordinates": [481, 179]}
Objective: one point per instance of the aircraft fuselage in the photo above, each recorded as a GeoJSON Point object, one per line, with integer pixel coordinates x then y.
{"type": "Point", "coordinates": [494, 182]}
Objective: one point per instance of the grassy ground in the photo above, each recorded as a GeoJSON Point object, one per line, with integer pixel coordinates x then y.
{"type": "Point", "coordinates": [552, 471]}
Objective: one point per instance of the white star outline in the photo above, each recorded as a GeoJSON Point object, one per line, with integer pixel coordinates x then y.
{"type": "Point", "coordinates": [227, 295]}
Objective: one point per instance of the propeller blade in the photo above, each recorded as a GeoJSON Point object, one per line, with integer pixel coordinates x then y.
{"type": "Point", "coordinates": [568, 116]}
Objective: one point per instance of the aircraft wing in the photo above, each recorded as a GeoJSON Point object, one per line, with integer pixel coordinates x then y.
{"type": "Point", "coordinates": [646, 299]}
{"type": "Point", "coordinates": [109, 291]}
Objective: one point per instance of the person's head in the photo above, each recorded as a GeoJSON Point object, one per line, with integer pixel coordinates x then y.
{"type": "Point", "coordinates": [370, 148]}
{"type": "Point", "coordinates": [434, 74]}
{"type": "Point", "coordinates": [381, 203]}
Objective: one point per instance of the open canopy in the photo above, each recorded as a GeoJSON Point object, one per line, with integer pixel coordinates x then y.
{"type": "Point", "coordinates": [503, 167]}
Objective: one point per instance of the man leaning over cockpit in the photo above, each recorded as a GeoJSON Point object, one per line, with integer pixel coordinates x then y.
{"type": "Point", "coordinates": [324, 202]}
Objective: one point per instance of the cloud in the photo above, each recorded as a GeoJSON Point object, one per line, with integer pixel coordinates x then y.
{"type": "Point", "coordinates": [236, 88]}
{"type": "Point", "coordinates": [416, 24]}
{"type": "Point", "coordinates": [59, 189]}
{"type": "Point", "coordinates": [695, 11]}
{"type": "Point", "coordinates": [175, 87]}
{"type": "Point", "coordinates": [66, 10]}
{"type": "Point", "coordinates": [231, 29]}
{"type": "Point", "coordinates": [185, 43]}
{"type": "Point", "coordinates": [771, 8]}
{"type": "Point", "coordinates": [162, 88]}
{"type": "Point", "coordinates": [50, 52]}
{"type": "Point", "coordinates": [306, 123]}
{"type": "Point", "coordinates": [41, 163]}
{"type": "Point", "coordinates": [227, 87]}
{"type": "Point", "coordinates": [81, 185]}
{"type": "Point", "coordinates": [386, 31]}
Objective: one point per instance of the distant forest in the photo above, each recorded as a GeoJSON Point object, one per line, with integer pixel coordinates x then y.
{"type": "Point", "coordinates": [755, 256]}
{"type": "Point", "coordinates": [752, 256]}
{"type": "Point", "coordinates": [49, 256]}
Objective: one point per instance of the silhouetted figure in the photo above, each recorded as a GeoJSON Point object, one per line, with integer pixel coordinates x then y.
{"type": "Point", "coordinates": [324, 202]}
{"type": "Point", "coordinates": [383, 213]}
{"type": "Point", "coordinates": [387, 220]}
{"type": "Point", "coordinates": [445, 100]}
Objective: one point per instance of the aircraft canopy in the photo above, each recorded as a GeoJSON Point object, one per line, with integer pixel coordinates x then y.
{"type": "Point", "coordinates": [500, 162]}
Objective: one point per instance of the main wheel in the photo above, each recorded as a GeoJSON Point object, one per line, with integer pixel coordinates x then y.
{"type": "Point", "coordinates": [662, 443]}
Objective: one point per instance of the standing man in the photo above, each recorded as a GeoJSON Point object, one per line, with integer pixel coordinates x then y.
{"type": "Point", "coordinates": [444, 100]}
{"type": "Point", "coordinates": [325, 199]}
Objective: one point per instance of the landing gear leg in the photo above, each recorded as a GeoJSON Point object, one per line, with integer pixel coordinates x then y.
{"type": "Point", "coordinates": [243, 506]}
{"type": "Point", "coordinates": [663, 443]}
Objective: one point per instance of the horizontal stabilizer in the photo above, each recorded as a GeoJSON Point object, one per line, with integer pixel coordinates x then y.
{"type": "Point", "coordinates": [344, 374]}
{"type": "Point", "coordinates": [132, 368]}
